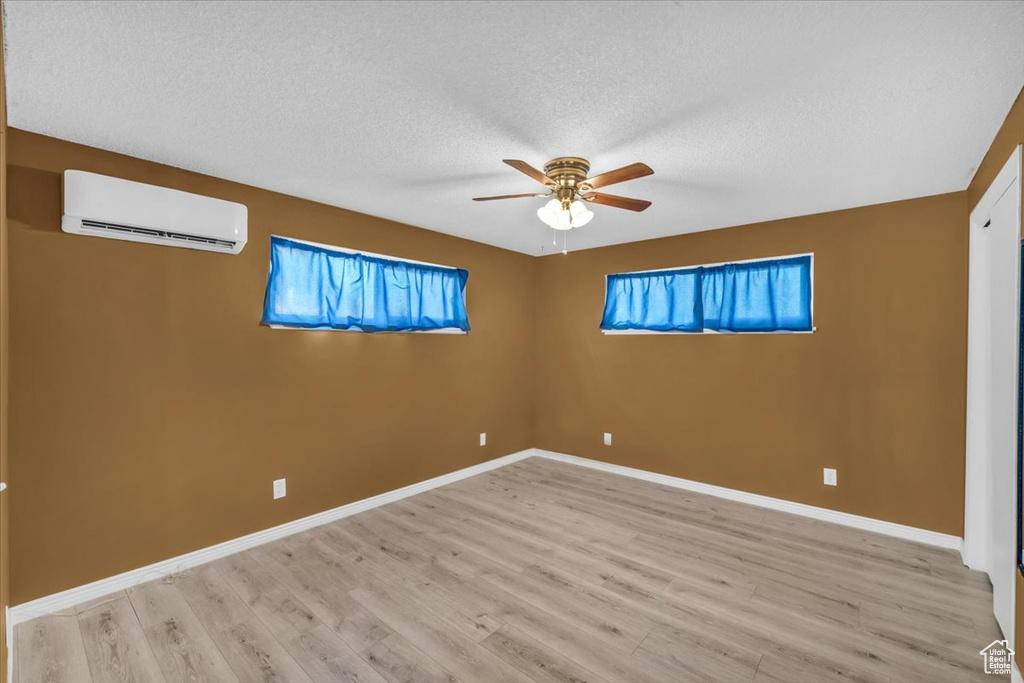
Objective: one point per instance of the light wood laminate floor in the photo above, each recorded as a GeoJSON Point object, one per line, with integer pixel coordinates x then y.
{"type": "Point", "coordinates": [540, 571]}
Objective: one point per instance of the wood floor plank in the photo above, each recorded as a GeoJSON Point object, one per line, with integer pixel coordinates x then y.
{"type": "Point", "coordinates": [445, 604]}
{"type": "Point", "coordinates": [545, 505]}
{"type": "Point", "coordinates": [49, 650]}
{"type": "Point", "coordinates": [587, 614]}
{"type": "Point", "coordinates": [560, 543]}
{"type": "Point", "coordinates": [775, 668]}
{"type": "Point", "coordinates": [95, 602]}
{"type": "Point", "coordinates": [294, 564]}
{"type": "Point", "coordinates": [609, 663]}
{"type": "Point", "coordinates": [399, 661]}
{"type": "Point", "coordinates": [182, 647]}
{"type": "Point", "coordinates": [536, 659]}
{"type": "Point", "coordinates": [460, 655]}
{"type": "Point", "coordinates": [621, 510]}
{"type": "Point", "coordinates": [539, 624]}
{"type": "Point", "coordinates": [698, 656]}
{"type": "Point", "coordinates": [461, 570]}
{"type": "Point", "coordinates": [756, 628]}
{"type": "Point", "coordinates": [314, 646]}
{"type": "Point", "coordinates": [944, 651]}
{"type": "Point", "coordinates": [820, 601]}
{"type": "Point", "coordinates": [274, 604]}
{"type": "Point", "coordinates": [116, 646]}
{"type": "Point", "coordinates": [325, 657]}
{"type": "Point", "coordinates": [249, 648]}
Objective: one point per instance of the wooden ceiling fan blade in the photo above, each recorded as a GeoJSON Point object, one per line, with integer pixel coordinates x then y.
{"type": "Point", "coordinates": [616, 201]}
{"type": "Point", "coordinates": [510, 196]}
{"type": "Point", "coordinates": [524, 167]}
{"type": "Point", "coordinates": [619, 175]}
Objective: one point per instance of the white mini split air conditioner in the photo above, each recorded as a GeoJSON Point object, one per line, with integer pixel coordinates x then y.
{"type": "Point", "coordinates": [102, 206]}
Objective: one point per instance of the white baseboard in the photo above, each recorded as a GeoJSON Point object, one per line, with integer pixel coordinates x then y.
{"type": "Point", "coordinates": [846, 519]}
{"type": "Point", "coordinates": [74, 596]}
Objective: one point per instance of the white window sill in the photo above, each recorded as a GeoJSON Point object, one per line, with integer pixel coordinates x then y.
{"type": "Point", "coordinates": [445, 330]}
{"type": "Point", "coordinates": [697, 334]}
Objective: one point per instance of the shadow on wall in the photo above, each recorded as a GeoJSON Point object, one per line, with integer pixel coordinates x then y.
{"type": "Point", "coordinates": [24, 205]}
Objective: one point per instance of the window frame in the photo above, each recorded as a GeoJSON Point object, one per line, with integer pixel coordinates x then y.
{"type": "Point", "coordinates": [347, 250]}
{"type": "Point", "coordinates": [813, 329]}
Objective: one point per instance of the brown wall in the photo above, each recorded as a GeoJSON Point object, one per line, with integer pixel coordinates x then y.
{"type": "Point", "coordinates": [1018, 626]}
{"type": "Point", "coordinates": [150, 411]}
{"type": "Point", "coordinates": [1010, 134]}
{"type": "Point", "coordinates": [876, 392]}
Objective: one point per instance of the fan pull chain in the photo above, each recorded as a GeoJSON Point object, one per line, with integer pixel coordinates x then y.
{"type": "Point", "coordinates": [565, 237]}
{"type": "Point", "coordinates": [554, 237]}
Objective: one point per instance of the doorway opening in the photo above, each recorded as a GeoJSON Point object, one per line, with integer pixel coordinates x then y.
{"type": "Point", "coordinates": [991, 514]}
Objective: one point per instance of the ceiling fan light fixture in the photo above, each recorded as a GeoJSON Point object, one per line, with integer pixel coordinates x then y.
{"type": "Point", "coordinates": [580, 214]}
{"type": "Point", "coordinates": [549, 212]}
{"type": "Point", "coordinates": [555, 216]}
{"type": "Point", "coordinates": [563, 221]}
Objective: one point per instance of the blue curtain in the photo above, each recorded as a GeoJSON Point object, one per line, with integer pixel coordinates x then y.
{"type": "Point", "coordinates": [761, 296]}
{"type": "Point", "coordinates": [319, 288]}
{"type": "Point", "coordinates": [665, 301]}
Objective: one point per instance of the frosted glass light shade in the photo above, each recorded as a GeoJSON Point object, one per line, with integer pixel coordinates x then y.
{"type": "Point", "coordinates": [549, 212]}
{"type": "Point", "coordinates": [580, 214]}
{"type": "Point", "coordinates": [563, 221]}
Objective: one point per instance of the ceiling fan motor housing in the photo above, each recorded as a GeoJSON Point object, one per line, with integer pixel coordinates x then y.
{"type": "Point", "coordinates": [568, 174]}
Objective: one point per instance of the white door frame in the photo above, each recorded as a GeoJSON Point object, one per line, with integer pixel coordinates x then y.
{"type": "Point", "coordinates": [977, 515]}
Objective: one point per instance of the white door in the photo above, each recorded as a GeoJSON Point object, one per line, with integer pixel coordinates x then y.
{"type": "Point", "coordinates": [990, 525]}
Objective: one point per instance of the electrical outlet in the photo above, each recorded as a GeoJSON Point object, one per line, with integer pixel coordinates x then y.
{"type": "Point", "coordinates": [607, 439]}
{"type": "Point", "coordinates": [830, 477]}
{"type": "Point", "coordinates": [483, 438]}
{"type": "Point", "coordinates": [279, 489]}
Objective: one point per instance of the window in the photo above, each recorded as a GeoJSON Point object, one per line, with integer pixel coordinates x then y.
{"type": "Point", "coordinates": [318, 287]}
{"type": "Point", "coordinates": [769, 295]}
{"type": "Point", "coordinates": [662, 301]}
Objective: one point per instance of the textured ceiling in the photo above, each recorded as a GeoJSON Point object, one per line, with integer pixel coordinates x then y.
{"type": "Point", "coordinates": [746, 111]}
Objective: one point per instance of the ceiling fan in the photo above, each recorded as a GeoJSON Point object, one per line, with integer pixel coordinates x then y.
{"type": "Point", "coordinates": [568, 185]}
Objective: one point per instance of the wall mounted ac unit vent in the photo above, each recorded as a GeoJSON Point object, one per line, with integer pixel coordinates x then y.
{"type": "Point", "coordinates": [102, 206]}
